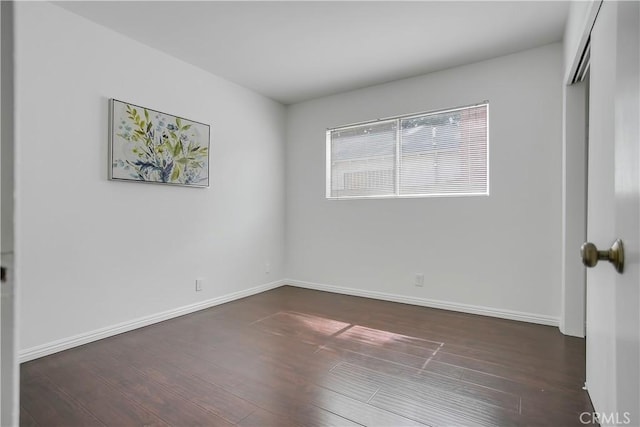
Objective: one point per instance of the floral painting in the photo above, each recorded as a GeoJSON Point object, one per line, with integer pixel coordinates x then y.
{"type": "Point", "coordinates": [150, 146]}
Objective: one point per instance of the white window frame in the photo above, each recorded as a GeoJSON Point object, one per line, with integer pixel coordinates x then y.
{"type": "Point", "coordinates": [398, 159]}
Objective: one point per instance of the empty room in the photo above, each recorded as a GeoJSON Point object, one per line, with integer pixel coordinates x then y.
{"type": "Point", "coordinates": [320, 213]}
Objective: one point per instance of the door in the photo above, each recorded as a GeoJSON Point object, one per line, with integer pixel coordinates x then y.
{"type": "Point", "coordinates": [613, 211]}
{"type": "Point", "coordinates": [9, 369]}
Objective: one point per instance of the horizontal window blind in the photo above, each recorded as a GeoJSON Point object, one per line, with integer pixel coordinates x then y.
{"type": "Point", "coordinates": [363, 160]}
{"type": "Point", "coordinates": [432, 154]}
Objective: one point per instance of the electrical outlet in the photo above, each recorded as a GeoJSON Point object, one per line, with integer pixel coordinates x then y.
{"type": "Point", "coordinates": [267, 267]}
{"type": "Point", "coordinates": [199, 284]}
{"type": "Point", "coordinates": [419, 280]}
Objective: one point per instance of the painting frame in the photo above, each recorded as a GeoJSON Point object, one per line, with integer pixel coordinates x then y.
{"type": "Point", "coordinates": [153, 147]}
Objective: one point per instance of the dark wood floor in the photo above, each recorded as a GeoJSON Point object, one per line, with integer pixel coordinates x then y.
{"type": "Point", "coordinates": [298, 357]}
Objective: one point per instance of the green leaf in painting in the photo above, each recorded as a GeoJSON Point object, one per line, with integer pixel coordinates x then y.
{"type": "Point", "coordinates": [146, 114]}
{"type": "Point", "coordinates": [175, 174]}
{"type": "Point", "coordinates": [177, 149]}
{"type": "Point", "coordinates": [185, 127]}
{"type": "Point", "coordinates": [178, 122]}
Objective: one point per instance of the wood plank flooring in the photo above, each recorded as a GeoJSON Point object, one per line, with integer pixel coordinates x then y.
{"type": "Point", "coordinates": [296, 357]}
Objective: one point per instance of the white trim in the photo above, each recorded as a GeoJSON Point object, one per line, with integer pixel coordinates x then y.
{"type": "Point", "coordinates": [87, 337]}
{"type": "Point", "coordinates": [576, 55]}
{"type": "Point", "coordinates": [412, 196]}
{"type": "Point", "coordinates": [98, 334]}
{"type": "Point", "coordinates": [424, 302]}
{"type": "Point", "coordinates": [327, 190]}
{"type": "Point", "coordinates": [407, 116]}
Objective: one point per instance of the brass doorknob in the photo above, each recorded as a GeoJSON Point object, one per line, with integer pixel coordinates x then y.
{"type": "Point", "coordinates": [591, 255]}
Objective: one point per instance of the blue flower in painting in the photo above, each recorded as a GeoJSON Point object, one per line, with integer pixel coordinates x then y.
{"type": "Point", "coordinates": [172, 127]}
{"type": "Point", "coordinates": [191, 176]}
{"type": "Point", "coordinates": [145, 166]}
{"type": "Point", "coordinates": [165, 174]}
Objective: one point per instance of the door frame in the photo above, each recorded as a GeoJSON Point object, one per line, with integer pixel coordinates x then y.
{"type": "Point", "coordinates": [9, 364]}
{"type": "Point", "coordinates": [582, 16]}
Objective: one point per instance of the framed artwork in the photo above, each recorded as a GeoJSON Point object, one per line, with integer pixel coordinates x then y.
{"type": "Point", "coordinates": [149, 146]}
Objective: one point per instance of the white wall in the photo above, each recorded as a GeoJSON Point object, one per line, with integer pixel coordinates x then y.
{"type": "Point", "coordinates": [501, 252]}
{"type": "Point", "coordinates": [92, 253]}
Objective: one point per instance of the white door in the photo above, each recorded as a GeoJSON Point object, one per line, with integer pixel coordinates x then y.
{"type": "Point", "coordinates": [613, 211]}
{"type": "Point", "coordinates": [9, 368]}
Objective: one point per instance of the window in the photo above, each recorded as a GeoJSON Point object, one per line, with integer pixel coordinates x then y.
{"type": "Point", "coordinates": [441, 153]}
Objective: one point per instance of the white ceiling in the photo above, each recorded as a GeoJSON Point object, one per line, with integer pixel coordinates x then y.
{"type": "Point", "coordinates": [292, 51]}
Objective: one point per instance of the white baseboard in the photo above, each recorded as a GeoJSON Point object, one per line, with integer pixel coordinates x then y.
{"type": "Point", "coordinates": [85, 338]}
{"type": "Point", "coordinates": [445, 305]}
